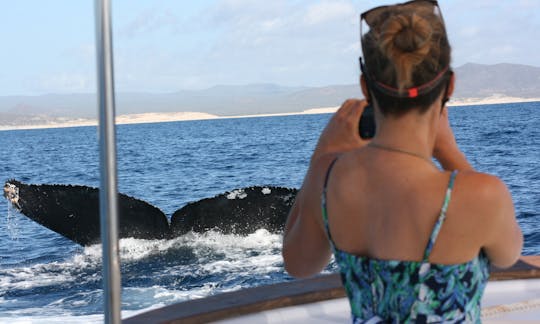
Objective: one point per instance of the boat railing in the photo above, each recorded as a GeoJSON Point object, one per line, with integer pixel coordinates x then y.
{"type": "Point", "coordinates": [292, 293]}
{"type": "Point", "coordinates": [108, 189]}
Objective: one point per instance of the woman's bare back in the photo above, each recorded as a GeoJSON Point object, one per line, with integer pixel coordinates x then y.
{"type": "Point", "coordinates": [386, 208]}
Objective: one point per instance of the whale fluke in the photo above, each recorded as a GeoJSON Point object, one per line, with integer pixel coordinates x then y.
{"type": "Point", "coordinates": [73, 211]}
{"type": "Point", "coordinates": [240, 211]}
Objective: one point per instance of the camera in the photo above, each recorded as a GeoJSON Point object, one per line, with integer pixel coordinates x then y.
{"type": "Point", "coordinates": [366, 127]}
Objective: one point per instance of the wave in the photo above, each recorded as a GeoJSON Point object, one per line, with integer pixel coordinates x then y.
{"type": "Point", "coordinates": [154, 273]}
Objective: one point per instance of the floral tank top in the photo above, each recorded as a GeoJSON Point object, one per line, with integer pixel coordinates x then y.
{"type": "Point", "coordinates": [393, 291]}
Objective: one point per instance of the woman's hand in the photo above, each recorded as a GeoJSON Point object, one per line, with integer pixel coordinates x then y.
{"type": "Point", "coordinates": [341, 133]}
{"type": "Point", "coordinates": [446, 150]}
{"type": "Point", "coordinates": [445, 139]}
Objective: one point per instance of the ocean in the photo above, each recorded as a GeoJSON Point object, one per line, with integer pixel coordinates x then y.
{"type": "Point", "coordinates": [45, 277]}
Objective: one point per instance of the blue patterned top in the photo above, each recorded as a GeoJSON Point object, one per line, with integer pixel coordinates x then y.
{"type": "Point", "coordinates": [393, 291]}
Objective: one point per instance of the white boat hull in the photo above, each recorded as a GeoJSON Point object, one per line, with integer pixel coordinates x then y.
{"type": "Point", "coordinates": [503, 302]}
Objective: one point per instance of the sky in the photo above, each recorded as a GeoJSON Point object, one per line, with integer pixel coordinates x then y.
{"type": "Point", "coordinates": [165, 46]}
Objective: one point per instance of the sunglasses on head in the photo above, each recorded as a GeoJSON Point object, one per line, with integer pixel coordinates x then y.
{"type": "Point", "coordinates": [372, 16]}
{"type": "Point", "coordinates": [374, 19]}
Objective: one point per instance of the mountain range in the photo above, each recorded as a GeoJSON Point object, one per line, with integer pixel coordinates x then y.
{"type": "Point", "coordinates": [474, 81]}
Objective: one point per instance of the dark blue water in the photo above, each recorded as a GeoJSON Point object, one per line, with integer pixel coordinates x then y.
{"type": "Point", "coordinates": [47, 278]}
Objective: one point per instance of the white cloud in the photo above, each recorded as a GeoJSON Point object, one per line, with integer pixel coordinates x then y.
{"type": "Point", "coordinates": [505, 49]}
{"type": "Point", "coordinates": [63, 82]}
{"type": "Point", "coordinates": [272, 24]}
{"type": "Point", "coordinates": [148, 21]}
{"type": "Point", "coordinates": [328, 11]}
{"type": "Point", "coordinates": [352, 48]}
{"type": "Point", "coordinates": [527, 3]}
{"type": "Point", "coordinates": [469, 31]}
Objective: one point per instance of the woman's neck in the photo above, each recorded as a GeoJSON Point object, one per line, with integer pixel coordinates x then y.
{"type": "Point", "coordinates": [411, 132]}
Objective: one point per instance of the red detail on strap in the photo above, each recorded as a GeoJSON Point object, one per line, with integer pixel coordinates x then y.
{"type": "Point", "coordinates": [413, 92]}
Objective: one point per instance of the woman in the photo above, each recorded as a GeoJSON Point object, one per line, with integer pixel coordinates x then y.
{"type": "Point", "coordinates": [413, 242]}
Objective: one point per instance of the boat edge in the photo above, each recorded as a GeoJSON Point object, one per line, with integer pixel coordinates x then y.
{"type": "Point", "coordinates": [292, 293]}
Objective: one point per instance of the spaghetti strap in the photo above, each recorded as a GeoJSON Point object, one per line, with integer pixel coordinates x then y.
{"type": "Point", "coordinates": [442, 216]}
{"type": "Point", "coordinates": [328, 175]}
{"type": "Point", "coordinates": [323, 201]}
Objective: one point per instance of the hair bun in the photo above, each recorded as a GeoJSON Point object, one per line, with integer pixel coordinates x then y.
{"type": "Point", "coordinates": [406, 40]}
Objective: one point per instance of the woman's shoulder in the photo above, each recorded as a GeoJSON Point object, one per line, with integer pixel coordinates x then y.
{"type": "Point", "coordinates": [481, 186]}
{"type": "Point", "coordinates": [488, 199]}
{"type": "Point", "coordinates": [483, 196]}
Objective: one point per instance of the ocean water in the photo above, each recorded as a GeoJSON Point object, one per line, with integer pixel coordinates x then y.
{"type": "Point", "coordinates": [47, 278]}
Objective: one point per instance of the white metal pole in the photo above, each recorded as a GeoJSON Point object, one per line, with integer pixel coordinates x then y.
{"type": "Point", "coordinates": [108, 192]}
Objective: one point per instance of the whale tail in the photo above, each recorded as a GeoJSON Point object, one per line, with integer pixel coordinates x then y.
{"type": "Point", "coordinates": [240, 211]}
{"type": "Point", "coordinates": [73, 211]}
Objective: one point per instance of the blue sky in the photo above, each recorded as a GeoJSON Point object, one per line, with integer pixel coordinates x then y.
{"type": "Point", "coordinates": [166, 46]}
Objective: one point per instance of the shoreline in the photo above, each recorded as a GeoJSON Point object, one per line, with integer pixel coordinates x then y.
{"type": "Point", "coordinates": [148, 118]}
{"type": "Point", "coordinates": [493, 100]}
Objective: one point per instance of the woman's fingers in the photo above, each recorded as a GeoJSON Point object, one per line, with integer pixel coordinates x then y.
{"type": "Point", "coordinates": [341, 133]}
{"type": "Point", "coordinates": [352, 108]}
{"type": "Point", "coordinates": [349, 113]}
{"type": "Point", "coordinates": [348, 117]}
{"type": "Point", "coordinates": [356, 111]}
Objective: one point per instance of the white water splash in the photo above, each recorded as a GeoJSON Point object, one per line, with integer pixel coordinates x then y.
{"type": "Point", "coordinates": [12, 223]}
{"type": "Point", "coordinates": [217, 259]}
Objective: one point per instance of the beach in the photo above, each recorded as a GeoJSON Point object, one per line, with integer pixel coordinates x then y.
{"type": "Point", "coordinates": [159, 117]}
{"type": "Point", "coordinates": [493, 100]}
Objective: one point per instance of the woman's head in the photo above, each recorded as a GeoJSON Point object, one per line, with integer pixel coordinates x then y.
{"type": "Point", "coordinates": [407, 56]}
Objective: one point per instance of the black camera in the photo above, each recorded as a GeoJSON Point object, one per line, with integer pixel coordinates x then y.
{"type": "Point", "coordinates": [366, 127]}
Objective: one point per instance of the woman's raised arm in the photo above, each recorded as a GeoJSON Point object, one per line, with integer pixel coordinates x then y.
{"type": "Point", "coordinates": [306, 250]}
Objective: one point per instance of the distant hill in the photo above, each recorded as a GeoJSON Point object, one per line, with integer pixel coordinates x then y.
{"type": "Point", "coordinates": [513, 80]}
{"type": "Point", "coordinates": [476, 81]}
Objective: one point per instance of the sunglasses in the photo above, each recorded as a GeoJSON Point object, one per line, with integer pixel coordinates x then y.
{"type": "Point", "coordinates": [374, 19]}
{"type": "Point", "coordinates": [376, 16]}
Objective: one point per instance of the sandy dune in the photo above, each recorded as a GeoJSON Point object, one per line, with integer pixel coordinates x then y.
{"type": "Point", "coordinates": [180, 116]}
{"type": "Point", "coordinates": [162, 117]}
{"type": "Point", "coordinates": [496, 99]}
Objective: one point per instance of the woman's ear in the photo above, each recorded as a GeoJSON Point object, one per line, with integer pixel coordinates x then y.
{"type": "Point", "coordinates": [363, 85]}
